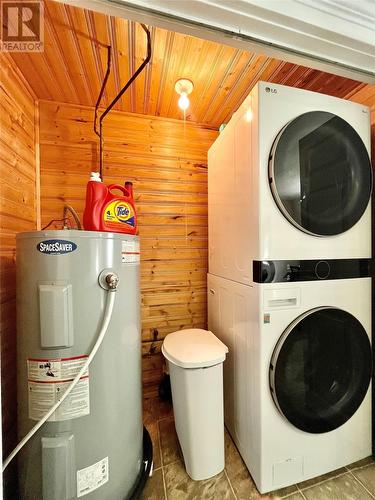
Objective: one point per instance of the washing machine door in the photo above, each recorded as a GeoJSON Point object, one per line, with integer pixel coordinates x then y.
{"type": "Point", "coordinates": [321, 369]}
{"type": "Point", "coordinates": [320, 173]}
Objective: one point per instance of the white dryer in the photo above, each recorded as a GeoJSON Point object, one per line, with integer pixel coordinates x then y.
{"type": "Point", "coordinates": [289, 178]}
{"type": "Point", "coordinates": [297, 376]}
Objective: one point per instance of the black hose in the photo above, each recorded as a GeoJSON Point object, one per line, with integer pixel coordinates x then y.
{"type": "Point", "coordinates": [138, 488]}
{"type": "Point", "coordinates": [110, 106]}
{"type": "Point", "coordinates": [102, 89]}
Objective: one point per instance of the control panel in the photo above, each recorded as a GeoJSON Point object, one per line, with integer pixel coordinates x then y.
{"type": "Point", "coordinates": [281, 271]}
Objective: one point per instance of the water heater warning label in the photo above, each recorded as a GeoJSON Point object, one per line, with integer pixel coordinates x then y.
{"type": "Point", "coordinates": [92, 477]}
{"type": "Point", "coordinates": [48, 379]}
{"type": "Point", "coordinates": [130, 251]}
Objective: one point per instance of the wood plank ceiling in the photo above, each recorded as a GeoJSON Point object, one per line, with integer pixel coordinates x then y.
{"type": "Point", "coordinates": [73, 64]}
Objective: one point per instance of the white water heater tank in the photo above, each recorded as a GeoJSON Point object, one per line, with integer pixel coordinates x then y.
{"type": "Point", "coordinates": [92, 446]}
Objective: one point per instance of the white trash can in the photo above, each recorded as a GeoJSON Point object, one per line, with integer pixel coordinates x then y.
{"type": "Point", "coordinates": [195, 360]}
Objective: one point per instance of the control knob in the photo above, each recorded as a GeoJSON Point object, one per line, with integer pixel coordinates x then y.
{"type": "Point", "coordinates": [322, 269]}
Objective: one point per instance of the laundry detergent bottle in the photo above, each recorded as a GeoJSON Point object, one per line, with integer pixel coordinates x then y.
{"type": "Point", "coordinates": [109, 208]}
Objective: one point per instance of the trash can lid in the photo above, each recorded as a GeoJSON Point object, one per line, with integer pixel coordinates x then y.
{"type": "Point", "coordinates": [194, 348]}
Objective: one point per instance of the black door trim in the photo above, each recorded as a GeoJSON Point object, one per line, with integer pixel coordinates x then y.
{"type": "Point", "coordinates": [316, 157]}
{"type": "Point", "coordinates": [314, 394]}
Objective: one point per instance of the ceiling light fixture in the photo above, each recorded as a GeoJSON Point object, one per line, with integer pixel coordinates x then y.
{"type": "Point", "coordinates": [184, 87]}
{"type": "Point", "coordinates": [249, 115]}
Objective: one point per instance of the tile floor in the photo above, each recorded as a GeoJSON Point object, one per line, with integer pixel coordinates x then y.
{"type": "Point", "coordinates": [170, 481]}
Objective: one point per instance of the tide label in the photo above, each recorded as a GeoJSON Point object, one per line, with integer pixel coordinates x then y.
{"type": "Point", "coordinates": [119, 212]}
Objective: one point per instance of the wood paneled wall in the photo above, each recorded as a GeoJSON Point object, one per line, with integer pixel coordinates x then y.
{"type": "Point", "coordinates": [18, 212]}
{"type": "Point", "coordinates": [366, 96]}
{"type": "Point", "coordinates": [167, 162]}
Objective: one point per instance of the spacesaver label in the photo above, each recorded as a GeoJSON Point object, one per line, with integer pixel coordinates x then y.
{"type": "Point", "coordinates": [56, 247]}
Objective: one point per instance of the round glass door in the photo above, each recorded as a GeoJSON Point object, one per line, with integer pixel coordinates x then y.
{"type": "Point", "coordinates": [321, 369]}
{"type": "Point", "coordinates": [320, 174]}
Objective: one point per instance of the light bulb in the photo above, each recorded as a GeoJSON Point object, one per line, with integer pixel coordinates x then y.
{"type": "Point", "coordinates": [248, 115]}
{"type": "Point", "coordinates": [183, 102]}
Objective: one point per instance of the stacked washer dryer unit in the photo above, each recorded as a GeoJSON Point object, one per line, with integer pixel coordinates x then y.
{"type": "Point", "coordinates": [289, 287]}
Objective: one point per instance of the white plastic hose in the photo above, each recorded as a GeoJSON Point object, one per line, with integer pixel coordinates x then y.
{"type": "Point", "coordinates": [106, 319]}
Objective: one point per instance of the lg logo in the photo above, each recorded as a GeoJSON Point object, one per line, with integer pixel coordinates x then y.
{"type": "Point", "coordinates": [269, 89]}
{"type": "Point", "coordinates": [22, 26]}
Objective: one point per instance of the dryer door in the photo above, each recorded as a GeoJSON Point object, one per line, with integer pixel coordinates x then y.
{"type": "Point", "coordinates": [321, 369]}
{"type": "Point", "coordinates": [320, 174]}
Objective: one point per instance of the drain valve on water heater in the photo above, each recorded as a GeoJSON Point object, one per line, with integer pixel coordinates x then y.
{"type": "Point", "coordinates": [108, 280]}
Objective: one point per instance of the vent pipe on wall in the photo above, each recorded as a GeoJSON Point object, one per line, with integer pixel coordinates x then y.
{"type": "Point", "coordinates": [119, 95]}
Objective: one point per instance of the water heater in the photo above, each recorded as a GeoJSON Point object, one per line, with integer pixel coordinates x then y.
{"type": "Point", "coordinates": [92, 445]}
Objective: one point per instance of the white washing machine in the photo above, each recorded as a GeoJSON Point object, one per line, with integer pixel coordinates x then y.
{"type": "Point", "coordinates": [297, 376]}
{"type": "Point", "coordinates": [289, 178]}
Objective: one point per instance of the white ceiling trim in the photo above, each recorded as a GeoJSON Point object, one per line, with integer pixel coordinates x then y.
{"type": "Point", "coordinates": [360, 13]}
{"type": "Point", "coordinates": [337, 36]}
